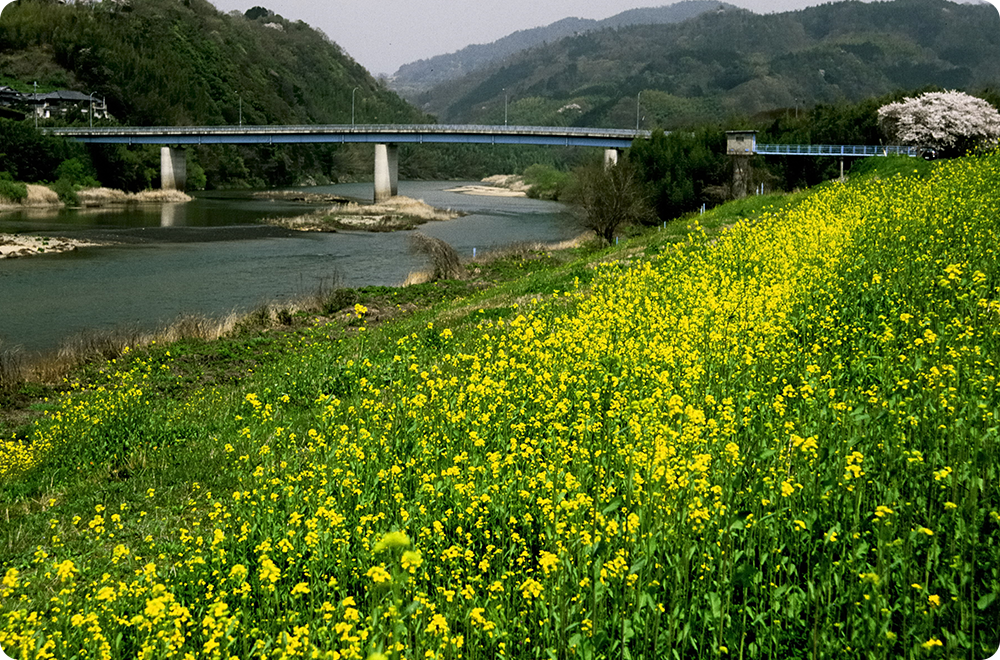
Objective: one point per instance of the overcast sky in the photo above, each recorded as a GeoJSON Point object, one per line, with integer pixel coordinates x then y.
{"type": "Point", "coordinates": [382, 35]}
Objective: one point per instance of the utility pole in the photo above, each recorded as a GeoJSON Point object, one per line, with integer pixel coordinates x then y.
{"type": "Point", "coordinates": [241, 109]}
{"type": "Point", "coordinates": [352, 105]}
{"type": "Point", "coordinates": [505, 106]}
{"type": "Point", "coordinates": [91, 109]}
{"type": "Point", "coordinates": [35, 98]}
{"type": "Point", "coordinates": [637, 98]}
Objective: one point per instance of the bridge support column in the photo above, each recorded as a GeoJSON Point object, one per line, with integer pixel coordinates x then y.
{"type": "Point", "coordinates": [386, 171]}
{"type": "Point", "coordinates": [741, 176]}
{"type": "Point", "coordinates": [611, 157]}
{"type": "Point", "coordinates": [173, 168]}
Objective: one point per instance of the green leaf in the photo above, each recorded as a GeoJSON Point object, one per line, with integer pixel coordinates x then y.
{"type": "Point", "coordinates": [612, 506]}
{"type": "Point", "coordinates": [716, 603]}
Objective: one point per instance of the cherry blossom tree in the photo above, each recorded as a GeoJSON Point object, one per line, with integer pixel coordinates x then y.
{"type": "Point", "coordinates": [952, 123]}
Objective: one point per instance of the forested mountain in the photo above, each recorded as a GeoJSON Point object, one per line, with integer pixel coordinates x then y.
{"type": "Point", "coordinates": [182, 62]}
{"type": "Point", "coordinates": [733, 62]}
{"type": "Point", "coordinates": [419, 76]}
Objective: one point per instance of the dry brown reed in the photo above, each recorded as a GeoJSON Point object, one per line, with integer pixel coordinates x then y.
{"type": "Point", "coordinates": [396, 213]}
{"type": "Point", "coordinates": [103, 345]}
{"type": "Point", "coordinates": [11, 367]}
{"type": "Point", "coordinates": [445, 262]}
{"type": "Point", "coordinates": [110, 196]}
{"type": "Point", "coordinates": [40, 196]}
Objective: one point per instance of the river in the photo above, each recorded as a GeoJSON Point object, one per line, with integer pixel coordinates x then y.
{"type": "Point", "coordinates": [214, 256]}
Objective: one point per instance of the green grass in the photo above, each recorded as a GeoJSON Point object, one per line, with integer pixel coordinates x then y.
{"type": "Point", "coordinates": [887, 166]}
{"type": "Point", "coordinates": [766, 433]}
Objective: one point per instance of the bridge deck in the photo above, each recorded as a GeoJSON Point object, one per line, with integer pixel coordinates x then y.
{"type": "Point", "coordinates": [833, 150]}
{"type": "Point", "coordinates": [345, 133]}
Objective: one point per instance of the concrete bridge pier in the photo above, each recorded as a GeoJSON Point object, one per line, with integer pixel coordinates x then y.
{"type": "Point", "coordinates": [611, 157]}
{"type": "Point", "coordinates": [386, 171]}
{"type": "Point", "coordinates": [173, 168]}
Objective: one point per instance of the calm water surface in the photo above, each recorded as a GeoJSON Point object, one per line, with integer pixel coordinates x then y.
{"type": "Point", "coordinates": [213, 256]}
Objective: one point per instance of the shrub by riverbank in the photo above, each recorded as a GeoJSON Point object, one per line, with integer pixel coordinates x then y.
{"type": "Point", "coordinates": [776, 443]}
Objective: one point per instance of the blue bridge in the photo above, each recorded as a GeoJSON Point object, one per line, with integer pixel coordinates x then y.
{"type": "Point", "coordinates": [852, 150]}
{"type": "Point", "coordinates": [385, 137]}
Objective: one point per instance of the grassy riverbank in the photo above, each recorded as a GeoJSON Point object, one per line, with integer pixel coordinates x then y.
{"type": "Point", "coordinates": [774, 441]}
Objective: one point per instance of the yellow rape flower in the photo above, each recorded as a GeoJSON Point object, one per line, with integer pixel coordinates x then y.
{"type": "Point", "coordinates": [154, 608]}
{"type": "Point", "coordinates": [118, 553]}
{"type": "Point", "coordinates": [438, 624]}
{"type": "Point", "coordinates": [65, 570]}
{"type": "Point", "coordinates": [530, 588]}
{"type": "Point", "coordinates": [391, 541]}
{"type": "Point", "coordinates": [412, 560]}
{"type": "Point", "coordinates": [10, 579]}
{"type": "Point", "coordinates": [378, 574]}
{"type": "Point", "coordinates": [268, 571]}
{"type": "Point", "coordinates": [548, 561]}
{"type": "Point", "coordinates": [787, 488]}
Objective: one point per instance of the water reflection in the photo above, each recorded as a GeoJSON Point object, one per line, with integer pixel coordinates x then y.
{"type": "Point", "coordinates": [172, 215]}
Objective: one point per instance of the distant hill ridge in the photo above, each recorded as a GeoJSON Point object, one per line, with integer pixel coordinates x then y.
{"type": "Point", "coordinates": [411, 79]}
{"type": "Point", "coordinates": [731, 63]}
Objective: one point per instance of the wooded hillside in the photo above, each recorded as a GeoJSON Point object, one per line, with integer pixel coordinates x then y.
{"type": "Point", "coordinates": [182, 62]}
{"type": "Point", "coordinates": [733, 62]}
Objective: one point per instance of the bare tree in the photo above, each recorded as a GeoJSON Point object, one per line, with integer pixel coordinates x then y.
{"type": "Point", "coordinates": [951, 122]}
{"type": "Point", "coordinates": [607, 197]}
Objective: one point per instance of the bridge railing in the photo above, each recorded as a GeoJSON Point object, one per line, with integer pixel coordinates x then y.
{"type": "Point", "coordinates": [479, 129]}
{"type": "Point", "coordinates": [834, 150]}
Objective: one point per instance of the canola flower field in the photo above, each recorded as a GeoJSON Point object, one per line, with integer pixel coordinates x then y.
{"type": "Point", "coordinates": [778, 444]}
